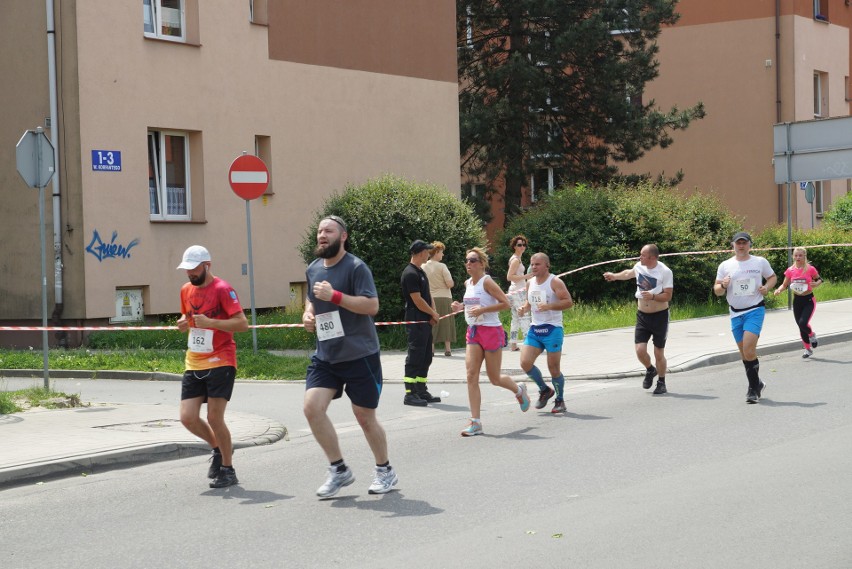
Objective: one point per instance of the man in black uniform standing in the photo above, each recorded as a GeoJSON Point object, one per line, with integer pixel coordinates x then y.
{"type": "Point", "coordinates": [418, 308]}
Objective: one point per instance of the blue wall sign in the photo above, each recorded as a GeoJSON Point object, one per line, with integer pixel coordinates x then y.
{"type": "Point", "coordinates": [106, 160]}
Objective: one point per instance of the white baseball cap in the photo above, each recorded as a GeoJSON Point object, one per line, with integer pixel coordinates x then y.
{"type": "Point", "coordinates": [193, 257]}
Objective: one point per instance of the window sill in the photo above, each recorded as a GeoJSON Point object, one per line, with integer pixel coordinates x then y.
{"type": "Point", "coordinates": [175, 41]}
{"type": "Point", "coordinates": [187, 221]}
{"type": "Point", "coordinates": [821, 18]}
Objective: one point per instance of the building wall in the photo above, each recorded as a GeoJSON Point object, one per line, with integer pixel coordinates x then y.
{"type": "Point", "coordinates": [330, 122]}
{"type": "Point", "coordinates": [730, 151]}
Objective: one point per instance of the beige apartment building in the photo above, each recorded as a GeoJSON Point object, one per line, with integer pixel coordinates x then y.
{"type": "Point", "coordinates": [754, 64]}
{"type": "Point", "coordinates": [156, 98]}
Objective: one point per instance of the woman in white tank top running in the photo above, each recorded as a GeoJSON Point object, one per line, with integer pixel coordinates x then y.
{"type": "Point", "coordinates": [483, 300]}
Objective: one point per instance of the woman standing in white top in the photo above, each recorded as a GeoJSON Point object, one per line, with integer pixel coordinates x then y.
{"type": "Point", "coordinates": [483, 300]}
{"type": "Point", "coordinates": [517, 290]}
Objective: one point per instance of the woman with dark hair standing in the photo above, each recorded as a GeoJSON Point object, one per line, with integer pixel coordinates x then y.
{"type": "Point", "coordinates": [517, 293]}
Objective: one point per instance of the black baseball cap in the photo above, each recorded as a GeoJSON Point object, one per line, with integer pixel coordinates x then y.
{"type": "Point", "coordinates": [741, 235]}
{"type": "Point", "coordinates": [418, 246]}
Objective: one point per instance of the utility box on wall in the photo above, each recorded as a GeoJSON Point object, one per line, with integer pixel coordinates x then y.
{"type": "Point", "coordinates": [297, 297]}
{"type": "Point", "coordinates": [128, 306]}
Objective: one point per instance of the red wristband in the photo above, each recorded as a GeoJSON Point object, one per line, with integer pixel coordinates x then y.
{"type": "Point", "coordinates": [336, 297]}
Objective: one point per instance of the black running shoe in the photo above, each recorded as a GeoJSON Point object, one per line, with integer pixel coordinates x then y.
{"type": "Point", "coordinates": [227, 477]}
{"type": "Point", "coordinates": [751, 397]}
{"type": "Point", "coordinates": [544, 397]}
{"type": "Point", "coordinates": [215, 465]}
{"type": "Point", "coordinates": [760, 389]}
{"type": "Point", "coordinates": [649, 378]}
{"type": "Point", "coordinates": [661, 387]}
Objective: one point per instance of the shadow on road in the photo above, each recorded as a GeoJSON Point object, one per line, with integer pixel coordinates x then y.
{"type": "Point", "coordinates": [393, 503]}
{"type": "Point", "coordinates": [246, 497]}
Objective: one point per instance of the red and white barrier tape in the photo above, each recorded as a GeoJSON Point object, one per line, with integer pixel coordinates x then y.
{"type": "Point", "coordinates": [394, 323]}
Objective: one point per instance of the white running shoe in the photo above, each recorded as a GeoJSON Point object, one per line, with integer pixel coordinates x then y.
{"type": "Point", "coordinates": [335, 481]}
{"type": "Point", "coordinates": [808, 353]}
{"type": "Point", "coordinates": [384, 480]}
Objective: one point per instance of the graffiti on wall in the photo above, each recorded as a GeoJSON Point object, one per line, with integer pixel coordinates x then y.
{"type": "Point", "coordinates": [112, 250]}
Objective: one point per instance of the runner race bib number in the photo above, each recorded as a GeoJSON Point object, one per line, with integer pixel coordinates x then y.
{"type": "Point", "coordinates": [200, 340]}
{"type": "Point", "coordinates": [470, 303]}
{"type": "Point", "coordinates": [800, 287]}
{"type": "Point", "coordinates": [744, 287]}
{"type": "Point", "coordinates": [329, 326]}
{"type": "Point", "coordinates": [536, 298]}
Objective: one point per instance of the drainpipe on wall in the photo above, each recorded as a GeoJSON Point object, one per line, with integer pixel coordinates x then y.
{"type": "Point", "coordinates": [62, 337]}
{"type": "Point", "coordinates": [782, 215]}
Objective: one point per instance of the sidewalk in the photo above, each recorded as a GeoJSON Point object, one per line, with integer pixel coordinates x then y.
{"type": "Point", "coordinates": [39, 445]}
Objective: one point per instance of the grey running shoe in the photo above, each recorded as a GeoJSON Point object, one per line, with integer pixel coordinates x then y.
{"type": "Point", "coordinates": [760, 389]}
{"type": "Point", "coordinates": [384, 481]}
{"type": "Point", "coordinates": [335, 481]}
{"type": "Point", "coordinates": [649, 378]}
{"type": "Point", "coordinates": [215, 465]}
{"type": "Point", "coordinates": [808, 353]}
{"type": "Point", "coordinates": [226, 477]}
{"type": "Point", "coordinates": [558, 407]}
{"type": "Point", "coordinates": [661, 387]}
{"type": "Point", "coordinates": [814, 341]}
{"type": "Point", "coordinates": [544, 397]}
{"type": "Point", "coordinates": [751, 396]}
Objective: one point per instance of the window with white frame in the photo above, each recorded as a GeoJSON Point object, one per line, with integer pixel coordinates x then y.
{"type": "Point", "coordinates": [818, 199]}
{"type": "Point", "coordinates": [164, 19]}
{"type": "Point", "coordinates": [544, 181]}
{"type": "Point", "coordinates": [820, 87]}
{"type": "Point", "coordinates": [168, 175]}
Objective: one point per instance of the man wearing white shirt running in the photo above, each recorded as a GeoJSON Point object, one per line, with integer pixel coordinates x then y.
{"type": "Point", "coordinates": [654, 289]}
{"type": "Point", "coordinates": [744, 280]}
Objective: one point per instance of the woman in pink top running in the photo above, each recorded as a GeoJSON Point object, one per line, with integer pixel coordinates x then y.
{"type": "Point", "coordinates": [802, 278]}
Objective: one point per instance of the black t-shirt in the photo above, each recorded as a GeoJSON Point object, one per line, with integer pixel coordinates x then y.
{"type": "Point", "coordinates": [415, 280]}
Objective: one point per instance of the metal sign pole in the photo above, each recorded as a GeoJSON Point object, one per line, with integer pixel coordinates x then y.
{"type": "Point", "coordinates": [789, 217]}
{"type": "Point", "coordinates": [43, 283]}
{"type": "Point", "coordinates": [251, 279]}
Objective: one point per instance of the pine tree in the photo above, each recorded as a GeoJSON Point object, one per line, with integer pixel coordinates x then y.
{"type": "Point", "coordinates": [558, 83]}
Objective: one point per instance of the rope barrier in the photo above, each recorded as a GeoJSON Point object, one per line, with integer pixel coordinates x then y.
{"type": "Point", "coordinates": [398, 322]}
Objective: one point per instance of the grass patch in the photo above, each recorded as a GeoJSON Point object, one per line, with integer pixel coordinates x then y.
{"type": "Point", "coordinates": [163, 351]}
{"type": "Point", "coordinates": [22, 399]}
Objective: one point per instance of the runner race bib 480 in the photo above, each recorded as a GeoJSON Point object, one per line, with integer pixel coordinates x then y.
{"type": "Point", "coordinates": [329, 326]}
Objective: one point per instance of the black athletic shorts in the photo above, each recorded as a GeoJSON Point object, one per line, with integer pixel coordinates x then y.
{"type": "Point", "coordinates": [361, 379]}
{"type": "Point", "coordinates": [213, 382]}
{"type": "Point", "coordinates": [654, 324]}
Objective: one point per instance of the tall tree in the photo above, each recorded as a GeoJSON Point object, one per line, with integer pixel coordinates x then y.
{"type": "Point", "coordinates": [558, 83]}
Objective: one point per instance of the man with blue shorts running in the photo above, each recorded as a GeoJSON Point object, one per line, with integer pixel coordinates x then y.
{"type": "Point", "coordinates": [547, 297]}
{"type": "Point", "coordinates": [744, 280]}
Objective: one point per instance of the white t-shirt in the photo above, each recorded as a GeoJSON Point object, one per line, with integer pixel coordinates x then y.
{"type": "Point", "coordinates": [538, 293]}
{"type": "Point", "coordinates": [654, 280]}
{"type": "Point", "coordinates": [746, 277]}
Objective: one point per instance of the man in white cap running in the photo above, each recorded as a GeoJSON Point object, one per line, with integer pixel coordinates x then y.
{"type": "Point", "coordinates": [211, 313]}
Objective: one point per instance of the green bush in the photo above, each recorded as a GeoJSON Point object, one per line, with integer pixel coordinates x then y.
{"type": "Point", "coordinates": [833, 263]}
{"type": "Point", "coordinates": [839, 215]}
{"type": "Point", "coordinates": [580, 226]}
{"type": "Point", "coordinates": [384, 216]}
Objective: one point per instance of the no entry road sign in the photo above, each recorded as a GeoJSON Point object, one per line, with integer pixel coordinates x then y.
{"type": "Point", "coordinates": [248, 176]}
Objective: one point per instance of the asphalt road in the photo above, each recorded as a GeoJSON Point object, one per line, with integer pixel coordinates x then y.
{"type": "Point", "coordinates": [694, 479]}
